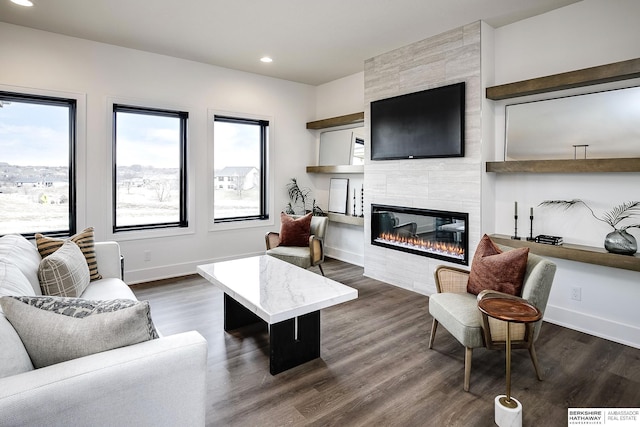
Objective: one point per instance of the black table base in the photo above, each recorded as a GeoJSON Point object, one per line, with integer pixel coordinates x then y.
{"type": "Point", "coordinates": [292, 342]}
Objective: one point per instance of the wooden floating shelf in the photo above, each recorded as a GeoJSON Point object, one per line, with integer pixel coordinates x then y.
{"type": "Point", "coordinates": [579, 253]}
{"type": "Point", "coordinates": [336, 169]}
{"type": "Point", "coordinates": [346, 219]}
{"type": "Point", "coordinates": [348, 119]}
{"type": "Point", "coordinates": [614, 72]}
{"type": "Point", "coordinates": [566, 166]}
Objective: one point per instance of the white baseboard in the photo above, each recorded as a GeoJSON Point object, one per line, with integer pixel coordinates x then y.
{"type": "Point", "coordinates": [350, 257]}
{"type": "Point", "coordinates": [174, 270]}
{"type": "Point", "coordinates": [603, 328]}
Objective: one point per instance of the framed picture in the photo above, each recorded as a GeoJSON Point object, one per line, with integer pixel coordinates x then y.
{"type": "Point", "coordinates": [338, 194]}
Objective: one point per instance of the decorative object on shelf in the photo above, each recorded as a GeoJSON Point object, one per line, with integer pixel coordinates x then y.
{"type": "Point", "coordinates": [619, 241]}
{"type": "Point", "coordinates": [298, 197]}
{"type": "Point", "coordinates": [531, 238]}
{"type": "Point", "coordinates": [338, 195]}
{"type": "Point", "coordinates": [574, 130]}
{"type": "Point", "coordinates": [575, 150]}
{"type": "Point", "coordinates": [548, 240]}
{"type": "Point", "coordinates": [515, 217]}
{"type": "Point", "coordinates": [362, 202]}
{"type": "Point", "coordinates": [353, 213]}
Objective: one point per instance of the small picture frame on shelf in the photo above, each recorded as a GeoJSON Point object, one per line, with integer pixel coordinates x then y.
{"type": "Point", "coordinates": [338, 195]}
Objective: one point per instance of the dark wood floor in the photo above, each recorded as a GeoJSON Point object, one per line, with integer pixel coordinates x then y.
{"type": "Point", "coordinates": [376, 368]}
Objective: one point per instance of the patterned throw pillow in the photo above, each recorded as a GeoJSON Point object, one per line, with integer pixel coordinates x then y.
{"type": "Point", "coordinates": [56, 329]}
{"type": "Point", "coordinates": [497, 270]}
{"type": "Point", "coordinates": [64, 272]}
{"type": "Point", "coordinates": [84, 239]}
{"type": "Point", "coordinates": [295, 231]}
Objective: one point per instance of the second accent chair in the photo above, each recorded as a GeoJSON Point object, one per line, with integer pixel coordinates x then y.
{"type": "Point", "coordinates": [308, 255]}
{"type": "Point", "coordinates": [457, 310]}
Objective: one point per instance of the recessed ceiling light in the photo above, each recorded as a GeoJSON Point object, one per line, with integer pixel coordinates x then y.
{"type": "Point", "coordinates": [266, 59]}
{"type": "Point", "coordinates": [26, 3]}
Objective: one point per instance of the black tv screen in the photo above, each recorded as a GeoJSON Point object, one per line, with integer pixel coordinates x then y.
{"type": "Point", "coordinates": [418, 125]}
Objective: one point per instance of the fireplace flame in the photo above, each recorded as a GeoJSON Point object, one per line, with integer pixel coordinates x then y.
{"type": "Point", "coordinates": [416, 243]}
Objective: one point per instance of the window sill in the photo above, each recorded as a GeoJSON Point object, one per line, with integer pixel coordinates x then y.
{"type": "Point", "coordinates": [238, 225]}
{"type": "Point", "coordinates": [123, 236]}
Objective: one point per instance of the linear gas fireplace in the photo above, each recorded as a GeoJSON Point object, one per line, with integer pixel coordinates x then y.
{"type": "Point", "coordinates": [435, 234]}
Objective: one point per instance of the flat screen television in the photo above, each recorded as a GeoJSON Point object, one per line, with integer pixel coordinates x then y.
{"type": "Point", "coordinates": [424, 124]}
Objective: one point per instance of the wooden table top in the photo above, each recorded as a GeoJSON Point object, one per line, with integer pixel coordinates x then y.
{"type": "Point", "coordinates": [510, 310]}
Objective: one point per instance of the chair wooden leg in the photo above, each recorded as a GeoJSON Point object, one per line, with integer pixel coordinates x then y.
{"type": "Point", "coordinates": [432, 337]}
{"type": "Point", "coordinates": [467, 367]}
{"type": "Point", "coordinates": [534, 359]}
{"type": "Point", "coordinates": [321, 270]}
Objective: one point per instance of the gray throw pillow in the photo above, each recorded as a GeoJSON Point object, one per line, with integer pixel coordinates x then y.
{"type": "Point", "coordinates": [56, 329]}
{"type": "Point", "coordinates": [65, 272]}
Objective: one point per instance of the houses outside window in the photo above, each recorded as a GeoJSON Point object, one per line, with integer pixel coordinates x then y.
{"type": "Point", "coordinates": [240, 166]}
{"type": "Point", "coordinates": [37, 164]}
{"type": "Point", "coordinates": [149, 170]}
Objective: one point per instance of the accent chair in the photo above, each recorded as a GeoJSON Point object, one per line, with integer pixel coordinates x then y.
{"type": "Point", "coordinates": [457, 310]}
{"type": "Point", "coordinates": [302, 256]}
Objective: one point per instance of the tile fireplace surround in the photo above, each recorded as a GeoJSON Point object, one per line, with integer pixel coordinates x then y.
{"type": "Point", "coordinates": [436, 234]}
{"type": "Point", "coordinates": [447, 184]}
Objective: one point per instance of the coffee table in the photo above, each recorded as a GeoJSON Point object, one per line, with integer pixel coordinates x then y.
{"type": "Point", "coordinates": [265, 289]}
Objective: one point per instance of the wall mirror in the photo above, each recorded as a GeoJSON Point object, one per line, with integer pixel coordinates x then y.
{"type": "Point", "coordinates": [342, 147]}
{"type": "Point", "coordinates": [596, 125]}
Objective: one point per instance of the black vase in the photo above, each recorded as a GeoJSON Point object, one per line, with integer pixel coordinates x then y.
{"type": "Point", "coordinates": [620, 242]}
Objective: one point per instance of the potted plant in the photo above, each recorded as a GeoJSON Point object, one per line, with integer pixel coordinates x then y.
{"type": "Point", "coordinates": [298, 196]}
{"type": "Point", "coordinates": [619, 241]}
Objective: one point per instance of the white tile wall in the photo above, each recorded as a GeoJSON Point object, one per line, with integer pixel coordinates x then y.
{"type": "Point", "coordinates": [445, 184]}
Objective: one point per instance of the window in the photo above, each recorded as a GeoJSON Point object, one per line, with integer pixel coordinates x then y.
{"type": "Point", "coordinates": [37, 164]}
{"type": "Point", "coordinates": [240, 169]}
{"type": "Point", "coordinates": [149, 169]}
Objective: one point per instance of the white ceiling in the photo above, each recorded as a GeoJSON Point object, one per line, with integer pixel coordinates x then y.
{"type": "Point", "coordinates": [310, 41]}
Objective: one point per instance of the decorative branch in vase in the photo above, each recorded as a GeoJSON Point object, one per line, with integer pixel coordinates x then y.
{"type": "Point", "coordinates": [619, 241]}
{"type": "Point", "coordinates": [300, 195]}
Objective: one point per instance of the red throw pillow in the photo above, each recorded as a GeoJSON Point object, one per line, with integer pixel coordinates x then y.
{"type": "Point", "coordinates": [295, 232]}
{"type": "Point", "coordinates": [497, 270]}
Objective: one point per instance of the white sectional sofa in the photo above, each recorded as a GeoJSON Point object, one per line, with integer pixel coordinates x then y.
{"type": "Point", "coordinates": [159, 382]}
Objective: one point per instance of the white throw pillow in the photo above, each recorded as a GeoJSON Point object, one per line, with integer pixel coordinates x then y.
{"type": "Point", "coordinates": [56, 329]}
{"type": "Point", "coordinates": [17, 250]}
{"type": "Point", "coordinates": [64, 272]}
{"type": "Point", "coordinates": [12, 281]}
{"type": "Point", "coordinates": [14, 358]}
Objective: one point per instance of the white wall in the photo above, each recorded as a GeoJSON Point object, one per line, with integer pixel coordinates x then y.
{"type": "Point", "coordinates": [584, 34]}
{"type": "Point", "coordinates": [39, 60]}
{"type": "Point", "coordinates": [338, 98]}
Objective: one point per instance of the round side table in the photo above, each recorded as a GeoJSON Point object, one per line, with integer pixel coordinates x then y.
{"type": "Point", "coordinates": [511, 311]}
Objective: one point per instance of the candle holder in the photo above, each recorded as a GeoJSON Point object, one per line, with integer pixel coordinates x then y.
{"type": "Point", "coordinates": [353, 213]}
{"type": "Point", "coordinates": [531, 238]}
{"type": "Point", "coordinates": [362, 202]}
{"type": "Point", "coordinates": [515, 230]}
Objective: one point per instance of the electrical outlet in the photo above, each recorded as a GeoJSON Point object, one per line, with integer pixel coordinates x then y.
{"type": "Point", "coordinates": [147, 255]}
{"type": "Point", "coordinates": [576, 293]}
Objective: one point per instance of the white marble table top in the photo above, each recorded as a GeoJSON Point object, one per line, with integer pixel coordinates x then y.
{"type": "Point", "coordinates": [273, 289]}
